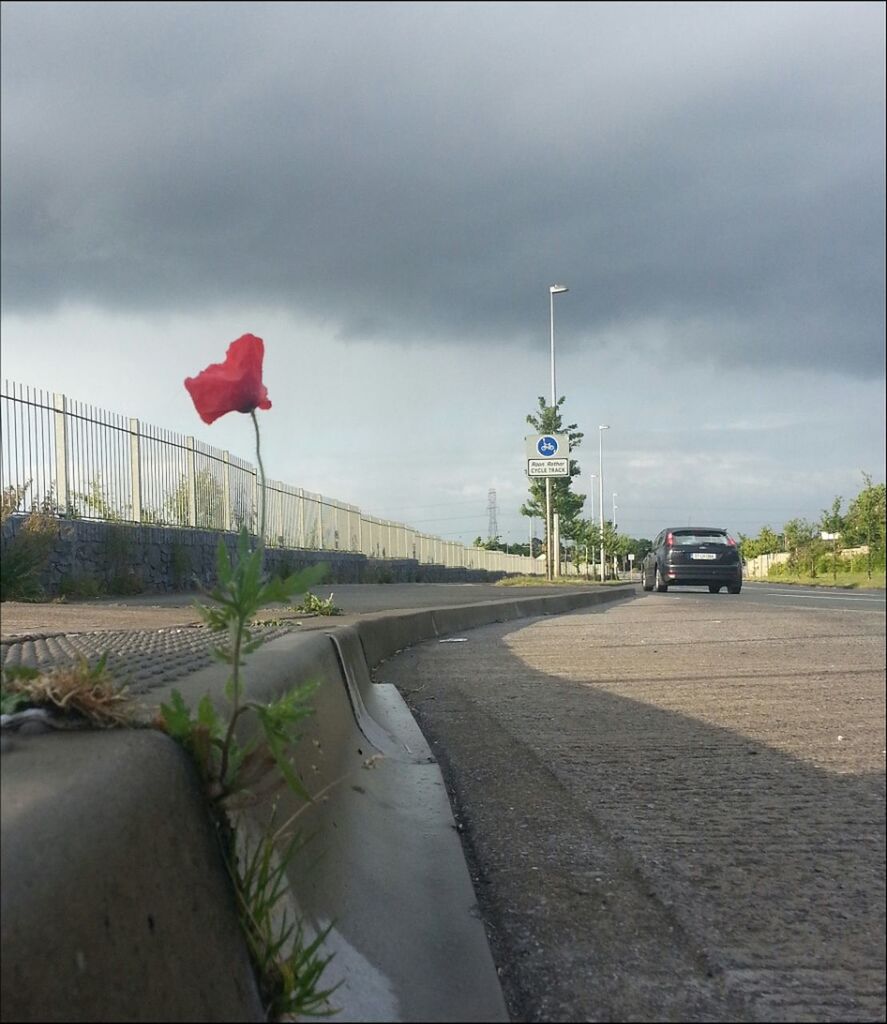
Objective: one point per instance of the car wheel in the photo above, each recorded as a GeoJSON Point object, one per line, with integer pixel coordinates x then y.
{"type": "Point", "coordinates": [645, 581]}
{"type": "Point", "coordinates": [712, 589]}
{"type": "Point", "coordinates": [661, 587]}
{"type": "Point", "coordinates": [734, 588]}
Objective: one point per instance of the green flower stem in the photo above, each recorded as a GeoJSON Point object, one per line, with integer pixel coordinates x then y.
{"type": "Point", "coordinates": [235, 714]}
{"type": "Point", "coordinates": [238, 632]}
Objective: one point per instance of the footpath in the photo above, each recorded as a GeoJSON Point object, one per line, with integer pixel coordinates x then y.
{"type": "Point", "coordinates": [157, 638]}
{"type": "Point", "coordinates": [116, 905]}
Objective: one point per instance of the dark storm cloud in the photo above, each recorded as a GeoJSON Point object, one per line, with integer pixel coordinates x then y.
{"type": "Point", "coordinates": [427, 170]}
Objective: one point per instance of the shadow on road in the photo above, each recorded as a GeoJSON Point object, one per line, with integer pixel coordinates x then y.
{"type": "Point", "coordinates": [634, 863]}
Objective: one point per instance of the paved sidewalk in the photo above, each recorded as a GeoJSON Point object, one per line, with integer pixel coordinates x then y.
{"type": "Point", "coordinates": [153, 640]}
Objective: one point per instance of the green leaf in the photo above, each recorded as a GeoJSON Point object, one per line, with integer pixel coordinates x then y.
{"type": "Point", "coordinates": [176, 718]}
{"type": "Point", "coordinates": [12, 702]}
{"type": "Point", "coordinates": [208, 717]}
{"type": "Point", "coordinates": [277, 745]}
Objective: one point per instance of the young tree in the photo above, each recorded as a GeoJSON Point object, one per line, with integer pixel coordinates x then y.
{"type": "Point", "coordinates": [799, 539]}
{"type": "Point", "coordinates": [833, 522]}
{"type": "Point", "coordinates": [567, 505]}
{"type": "Point", "coordinates": [768, 542]}
{"type": "Point", "coordinates": [588, 541]}
{"type": "Point", "coordinates": [623, 547]}
{"type": "Point", "coordinates": [611, 542]}
{"type": "Point", "coordinates": [866, 521]}
{"type": "Point", "coordinates": [765, 543]}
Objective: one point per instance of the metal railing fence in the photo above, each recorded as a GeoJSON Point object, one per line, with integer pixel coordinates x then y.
{"type": "Point", "coordinates": [73, 460]}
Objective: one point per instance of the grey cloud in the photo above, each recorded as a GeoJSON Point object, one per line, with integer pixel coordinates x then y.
{"type": "Point", "coordinates": [427, 171]}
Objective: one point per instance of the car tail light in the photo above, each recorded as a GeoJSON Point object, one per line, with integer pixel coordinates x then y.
{"type": "Point", "coordinates": [730, 541]}
{"type": "Point", "coordinates": [669, 540]}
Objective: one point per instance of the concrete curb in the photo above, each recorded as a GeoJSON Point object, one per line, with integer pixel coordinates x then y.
{"type": "Point", "coordinates": [116, 903]}
{"type": "Point", "coordinates": [384, 634]}
{"type": "Point", "coordinates": [103, 827]}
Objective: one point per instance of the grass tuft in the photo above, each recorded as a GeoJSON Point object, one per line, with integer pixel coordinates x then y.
{"type": "Point", "coordinates": [84, 690]}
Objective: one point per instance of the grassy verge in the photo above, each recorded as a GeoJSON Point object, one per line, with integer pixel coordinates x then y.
{"type": "Point", "coordinates": [562, 581]}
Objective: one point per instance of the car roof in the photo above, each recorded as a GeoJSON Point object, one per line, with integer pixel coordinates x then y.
{"type": "Point", "coordinates": [697, 529]}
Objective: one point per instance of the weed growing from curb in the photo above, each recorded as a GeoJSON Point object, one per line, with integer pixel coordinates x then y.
{"type": "Point", "coordinates": [236, 775]}
{"type": "Point", "coordinates": [289, 967]}
{"type": "Point", "coordinates": [318, 605]}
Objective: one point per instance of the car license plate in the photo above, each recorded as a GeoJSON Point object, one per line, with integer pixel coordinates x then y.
{"type": "Point", "coordinates": [704, 554]}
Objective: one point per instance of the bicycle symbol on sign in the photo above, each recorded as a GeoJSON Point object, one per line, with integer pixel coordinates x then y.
{"type": "Point", "coordinates": [546, 446]}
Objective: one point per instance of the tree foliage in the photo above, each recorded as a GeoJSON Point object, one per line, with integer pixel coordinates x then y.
{"type": "Point", "coordinates": [866, 521]}
{"type": "Point", "coordinates": [863, 524]}
{"type": "Point", "coordinates": [568, 506]}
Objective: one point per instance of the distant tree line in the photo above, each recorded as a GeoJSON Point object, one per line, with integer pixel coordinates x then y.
{"type": "Point", "coordinates": [862, 525]}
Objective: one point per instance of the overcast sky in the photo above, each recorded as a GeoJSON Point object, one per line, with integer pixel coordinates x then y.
{"type": "Point", "coordinates": [385, 193]}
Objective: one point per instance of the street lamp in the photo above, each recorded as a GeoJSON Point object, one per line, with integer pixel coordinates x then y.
{"type": "Point", "coordinates": [601, 429]}
{"type": "Point", "coordinates": [555, 289]}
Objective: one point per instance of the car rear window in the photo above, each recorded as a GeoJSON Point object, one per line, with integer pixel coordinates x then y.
{"type": "Point", "coordinates": [685, 539]}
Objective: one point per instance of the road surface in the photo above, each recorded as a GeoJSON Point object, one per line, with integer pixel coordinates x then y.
{"type": "Point", "coordinates": [673, 808]}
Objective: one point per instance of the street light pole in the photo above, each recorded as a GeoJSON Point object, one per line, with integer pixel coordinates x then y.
{"type": "Point", "coordinates": [600, 468]}
{"type": "Point", "coordinates": [614, 531]}
{"type": "Point", "coordinates": [591, 517]}
{"type": "Point", "coordinates": [555, 289]}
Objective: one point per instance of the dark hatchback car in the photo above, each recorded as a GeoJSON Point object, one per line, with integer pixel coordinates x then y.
{"type": "Point", "coordinates": [693, 556]}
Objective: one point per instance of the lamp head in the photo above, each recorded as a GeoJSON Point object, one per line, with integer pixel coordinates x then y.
{"type": "Point", "coordinates": [556, 289]}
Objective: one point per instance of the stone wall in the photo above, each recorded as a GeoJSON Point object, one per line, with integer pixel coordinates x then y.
{"type": "Point", "coordinates": [121, 558]}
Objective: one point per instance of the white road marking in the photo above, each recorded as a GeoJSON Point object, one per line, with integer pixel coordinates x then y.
{"type": "Point", "coordinates": [877, 598]}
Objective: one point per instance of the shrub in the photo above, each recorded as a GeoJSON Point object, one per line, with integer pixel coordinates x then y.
{"type": "Point", "coordinates": [180, 564]}
{"type": "Point", "coordinates": [27, 543]}
{"type": "Point", "coordinates": [81, 586]}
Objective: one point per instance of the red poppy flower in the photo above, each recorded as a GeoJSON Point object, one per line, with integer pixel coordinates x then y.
{"type": "Point", "coordinates": [233, 386]}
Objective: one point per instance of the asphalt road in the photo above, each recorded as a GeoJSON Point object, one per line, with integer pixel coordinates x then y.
{"type": "Point", "coordinates": [673, 808]}
{"type": "Point", "coordinates": [792, 596]}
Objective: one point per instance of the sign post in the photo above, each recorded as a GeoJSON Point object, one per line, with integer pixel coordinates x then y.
{"type": "Point", "coordinates": [548, 456]}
